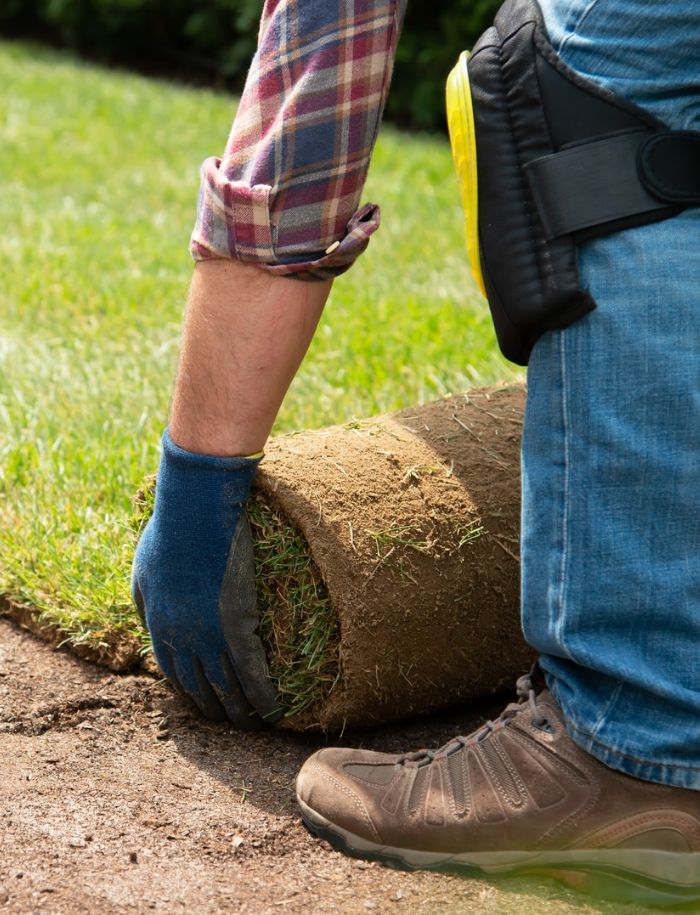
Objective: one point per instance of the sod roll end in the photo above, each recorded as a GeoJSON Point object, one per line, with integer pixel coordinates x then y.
{"type": "Point", "coordinates": [388, 561]}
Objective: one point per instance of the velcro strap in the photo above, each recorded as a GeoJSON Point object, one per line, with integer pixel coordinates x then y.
{"type": "Point", "coordinates": [613, 178]}
{"type": "Point", "coordinates": [589, 184]}
{"type": "Point", "coordinates": [669, 166]}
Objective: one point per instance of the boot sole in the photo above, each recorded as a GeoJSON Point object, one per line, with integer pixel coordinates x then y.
{"type": "Point", "coordinates": [639, 876]}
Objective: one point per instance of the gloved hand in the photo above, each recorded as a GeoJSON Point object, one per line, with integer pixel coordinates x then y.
{"type": "Point", "coordinates": [193, 583]}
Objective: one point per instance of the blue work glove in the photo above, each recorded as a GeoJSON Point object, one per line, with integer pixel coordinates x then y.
{"type": "Point", "coordinates": [193, 583]}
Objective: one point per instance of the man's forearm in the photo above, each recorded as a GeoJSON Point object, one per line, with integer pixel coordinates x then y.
{"type": "Point", "coordinates": [282, 201]}
{"type": "Point", "coordinates": [246, 333]}
{"type": "Point", "coordinates": [275, 205]}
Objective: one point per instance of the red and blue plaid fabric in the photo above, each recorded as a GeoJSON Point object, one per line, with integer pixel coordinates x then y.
{"type": "Point", "coordinates": [286, 192]}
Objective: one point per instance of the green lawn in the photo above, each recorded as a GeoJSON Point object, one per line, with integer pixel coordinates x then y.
{"type": "Point", "coordinates": [98, 183]}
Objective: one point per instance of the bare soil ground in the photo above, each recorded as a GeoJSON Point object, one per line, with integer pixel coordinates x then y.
{"type": "Point", "coordinates": [116, 797]}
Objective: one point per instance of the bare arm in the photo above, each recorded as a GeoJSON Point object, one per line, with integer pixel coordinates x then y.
{"type": "Point", "coordinates": [246, 333]}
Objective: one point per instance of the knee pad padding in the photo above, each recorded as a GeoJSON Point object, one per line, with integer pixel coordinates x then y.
{"type": "Point", "coordinates": [559, 160]}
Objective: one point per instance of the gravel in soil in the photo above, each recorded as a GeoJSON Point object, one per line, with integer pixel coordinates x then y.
{"type": "Point", "coordinates": [117, 797]}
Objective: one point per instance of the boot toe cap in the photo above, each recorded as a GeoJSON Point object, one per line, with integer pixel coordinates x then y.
{"type": "Point", "coordinates": [328, 787]}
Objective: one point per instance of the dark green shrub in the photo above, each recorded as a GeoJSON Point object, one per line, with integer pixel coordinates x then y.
{"type": "Point", "coordinates": [434, 36]}
{"type": "Point", "coordinates": [216, 39]}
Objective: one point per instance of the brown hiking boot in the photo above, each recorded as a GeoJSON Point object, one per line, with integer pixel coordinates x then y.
{"type": "Point", "coordinates": [516, 796]}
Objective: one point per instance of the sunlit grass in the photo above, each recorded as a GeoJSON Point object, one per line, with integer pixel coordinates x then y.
{"type": "Point", "coordinates": [98, 183]}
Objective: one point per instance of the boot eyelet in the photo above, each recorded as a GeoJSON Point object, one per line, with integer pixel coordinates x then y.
{"type": "Point", "coordinates": [544, 724]}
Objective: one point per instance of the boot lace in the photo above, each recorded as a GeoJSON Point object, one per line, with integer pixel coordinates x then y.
{"type": "Point", "coordinates": [527, 699]}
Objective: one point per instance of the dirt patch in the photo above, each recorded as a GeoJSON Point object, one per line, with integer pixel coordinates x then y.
{"type": "Point", "coordinates": [115, 797]}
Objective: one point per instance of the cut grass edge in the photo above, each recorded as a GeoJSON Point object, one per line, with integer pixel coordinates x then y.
{"type": "Point", "coordinates": [298, 629]}
{"type": "Point", "coordinates": [116, 649]}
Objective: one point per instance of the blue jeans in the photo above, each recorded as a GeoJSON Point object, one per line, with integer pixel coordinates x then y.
{"type": "Point", "coordinates": [611, 446]}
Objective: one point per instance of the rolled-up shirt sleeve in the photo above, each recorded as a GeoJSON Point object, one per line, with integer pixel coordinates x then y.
{"type": "Point", "coordinates": [286, 193]}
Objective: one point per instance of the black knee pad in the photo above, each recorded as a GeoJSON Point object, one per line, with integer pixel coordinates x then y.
{"type": "Point", "coordinates": [547, 159]}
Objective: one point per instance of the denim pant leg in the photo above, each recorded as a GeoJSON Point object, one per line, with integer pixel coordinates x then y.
{"type": "Point", "coordinates": [611, 446]}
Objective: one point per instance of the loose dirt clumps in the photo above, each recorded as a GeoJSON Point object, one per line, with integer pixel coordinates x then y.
{"type": "Point", "coordinates": [116, 798]}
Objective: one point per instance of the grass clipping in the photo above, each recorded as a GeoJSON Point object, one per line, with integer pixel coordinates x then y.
{"type": "Point", "coordinates": [299, 631]}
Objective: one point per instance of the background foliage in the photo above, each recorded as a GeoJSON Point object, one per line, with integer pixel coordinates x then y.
{"type": "Point", "coordinates": [215, 40]}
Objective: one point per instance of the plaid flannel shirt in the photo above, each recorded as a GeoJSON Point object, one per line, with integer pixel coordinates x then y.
{"type": "Point", "coordinates": [286, 192]}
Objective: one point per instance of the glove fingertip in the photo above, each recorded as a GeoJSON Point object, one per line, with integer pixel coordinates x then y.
{"type": "Point", "coordinates": [258, 690]}
{"type": "Point", "coordinates": [206, 698]}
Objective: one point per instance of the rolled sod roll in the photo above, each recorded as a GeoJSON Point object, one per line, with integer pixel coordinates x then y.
{"type": "Point", "coordinates": [387, 561]}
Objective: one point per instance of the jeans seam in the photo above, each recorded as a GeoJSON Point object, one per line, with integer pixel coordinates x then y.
{"type": "Point", "coordinates": [563, 565]}
{"type": "Point", "coordinates": [581, 19]}
{"type": "Point", "coordinates": [610, 704]}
